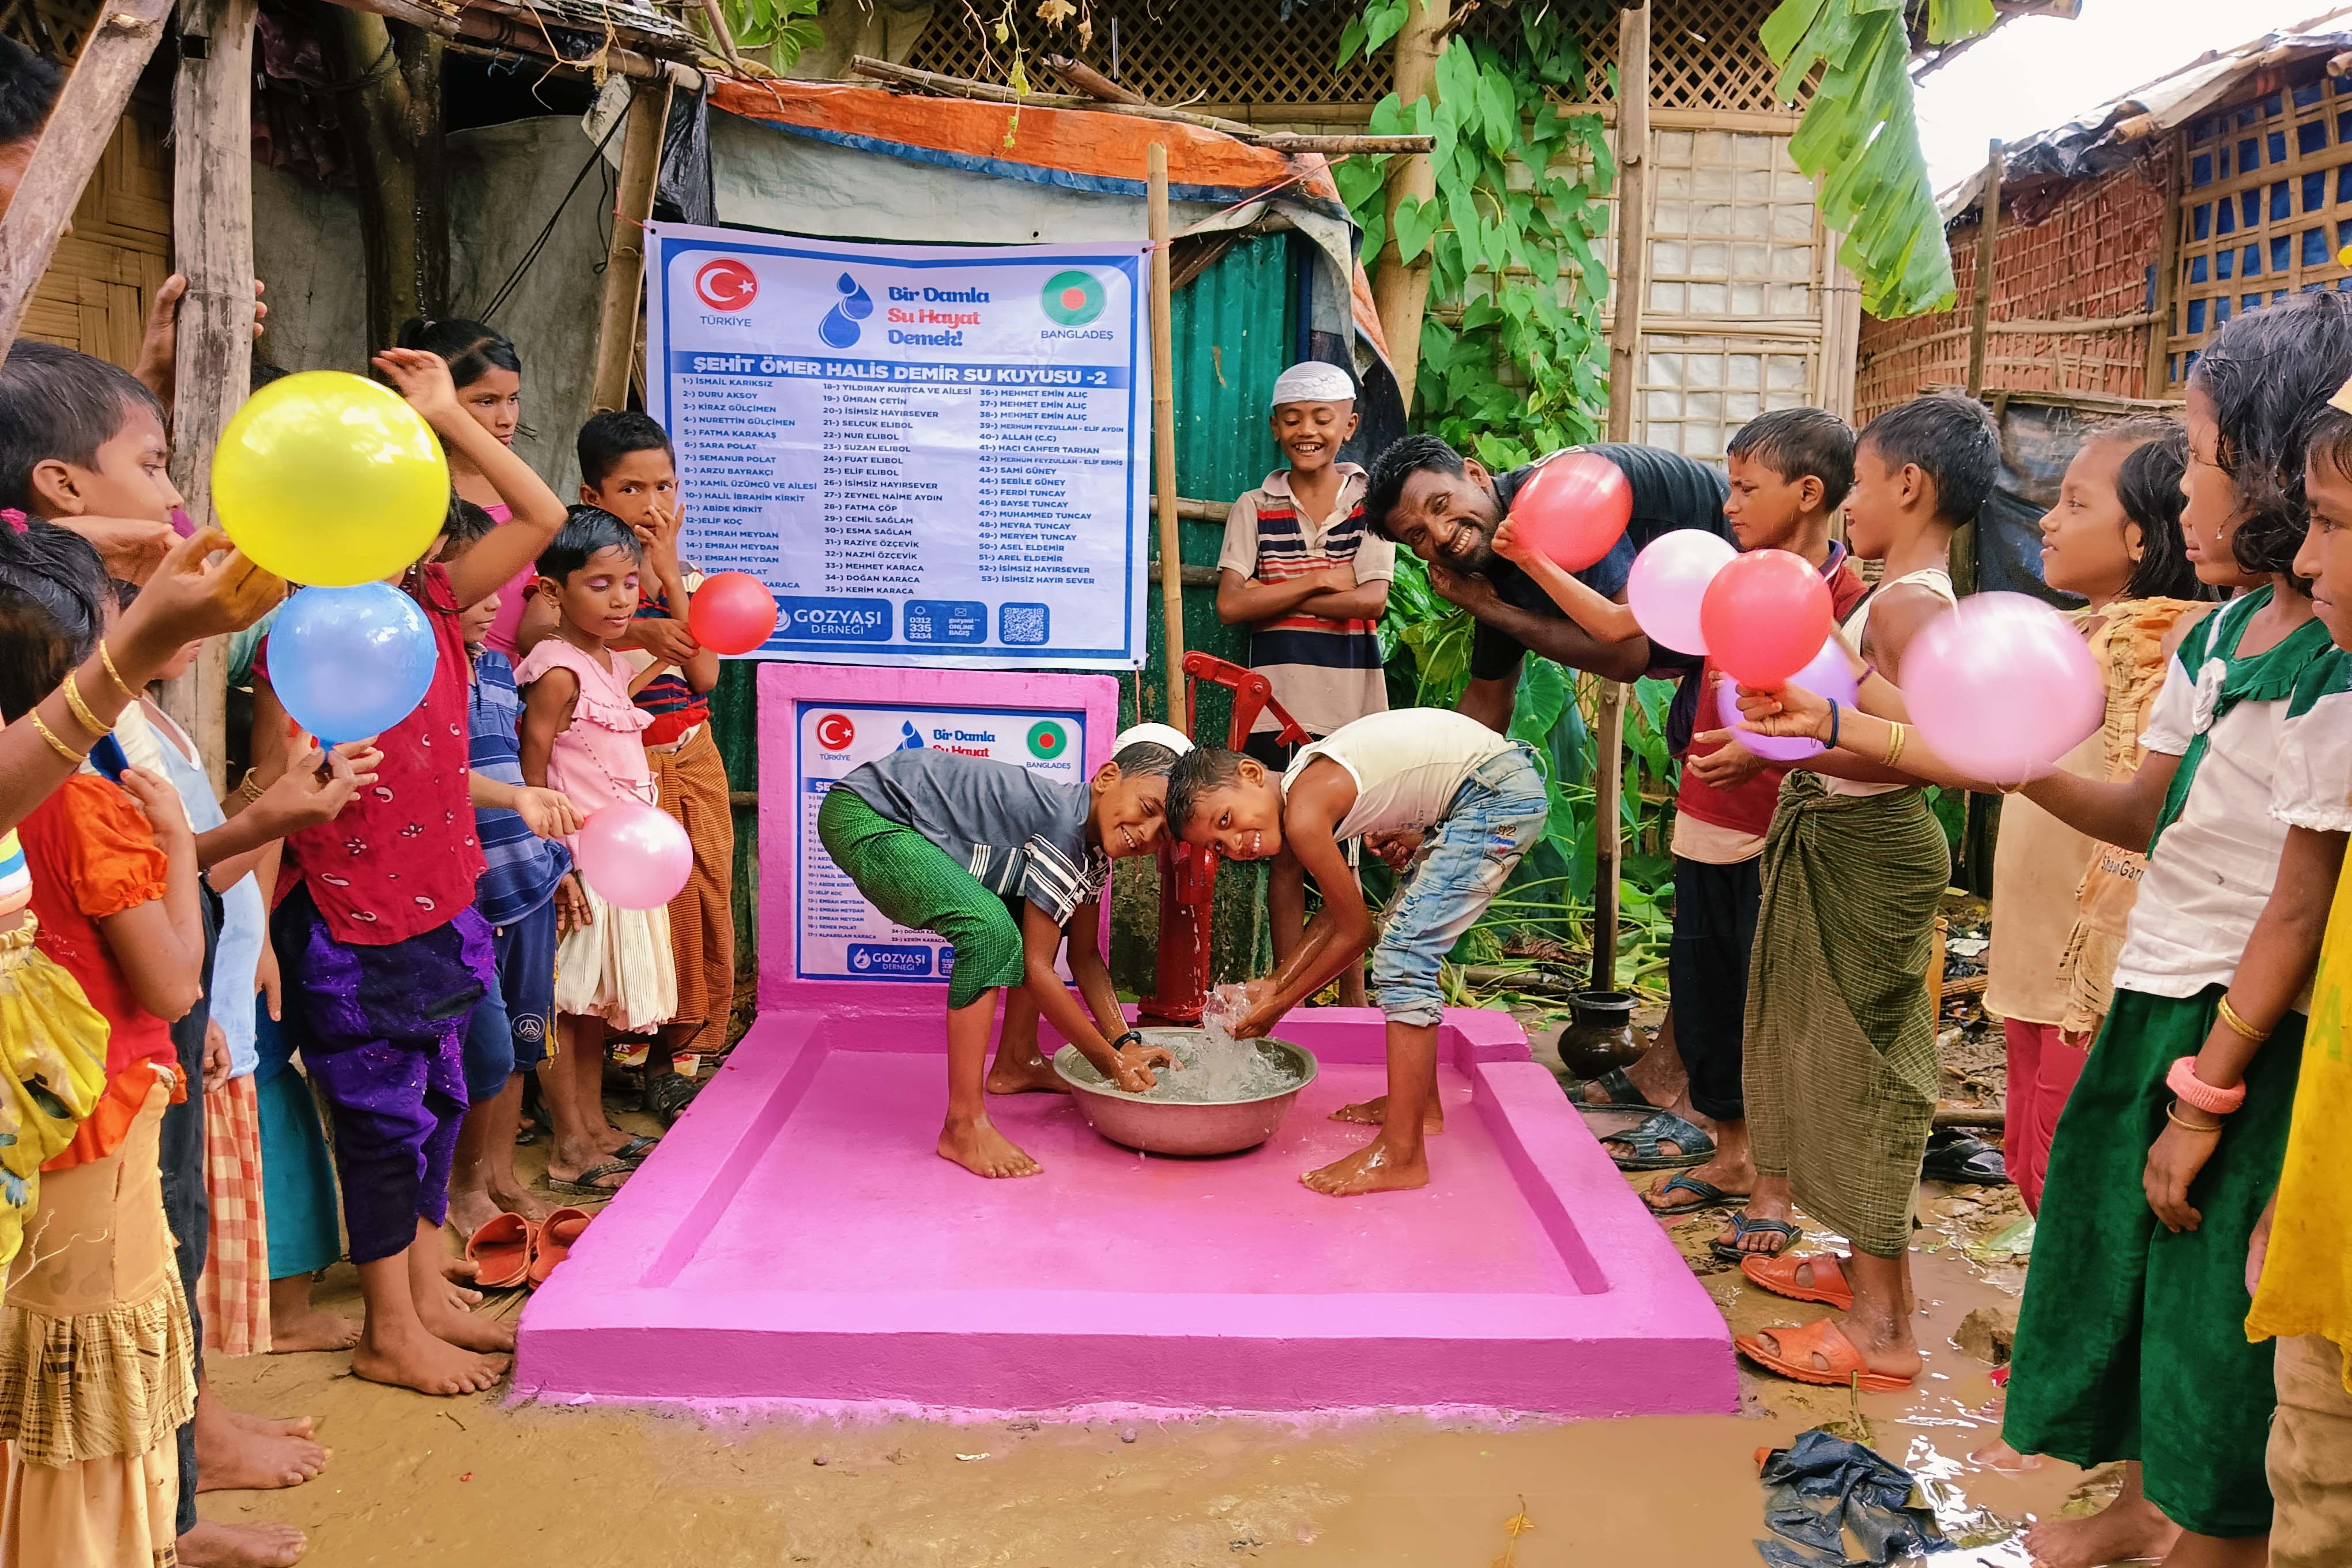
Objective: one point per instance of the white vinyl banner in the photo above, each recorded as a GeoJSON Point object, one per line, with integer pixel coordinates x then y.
{"type": "Point", "coordinates": [932, 455]}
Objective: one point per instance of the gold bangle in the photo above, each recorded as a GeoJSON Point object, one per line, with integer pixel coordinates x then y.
{"type": "Point", "coordinates": [59, 747]}
{"type": "Point", "coordinates": [250, 786]}
{"type": "Point", "coordinates": [2239, 1026]}
{"type": "Point", "coordinates": [80, 706]}
{"type": "Point", "coordinates": [2172, 1114]}
{"type": "Point", "coordinates": [106, 658]}
{"type": "Point", "coordinates": [1893, 743]}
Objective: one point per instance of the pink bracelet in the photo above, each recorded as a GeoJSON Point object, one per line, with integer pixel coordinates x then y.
{"type": "Point", "coordinates": [2183, 1080]}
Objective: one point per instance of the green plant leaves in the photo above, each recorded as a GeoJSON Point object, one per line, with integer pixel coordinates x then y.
{"type": "Point", "coordinates": [1859, 140]}
{"type": "Point", "coordinates": [1415, 222]}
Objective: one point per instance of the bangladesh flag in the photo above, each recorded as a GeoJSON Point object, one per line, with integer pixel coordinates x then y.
{"type": "Point", "coordinates": [1047, 740]}
{"type": "Point", "coordinates": [1073, 298]}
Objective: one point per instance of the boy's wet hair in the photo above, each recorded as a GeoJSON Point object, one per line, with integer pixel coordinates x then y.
{"type": "Point", "coordinates": [1144, 759]}
{"type": "Point", "coordinates": [2331, 441]}
{"type": "Point", "coordinates": [611, 435]}
{"type": "Point", "coordinates": [1950, 437]}
{"type": "Point", "coordinates": [52, 596]}
{"type": "Point", "coordinates": [471, 349]}
{"type": "Point", "coordinates": [2148, 485]}
{"type": "Point", "coordinates": [585, 530]}
{"type": "Point", "coordinates": [465, 526]}
{"type": "Point", "coordinates": [2269, 374]}
{"type": "Point", "coordinates": [1398, 462]}
{"type": "Point", "coordinates": [1797, 442]}
{"type": "Point", "coordinates": [59, 403]}
{"type": "Point", "coordinates": [1201, 771]}
{"type": "Point", "coordinates": [29, 85]}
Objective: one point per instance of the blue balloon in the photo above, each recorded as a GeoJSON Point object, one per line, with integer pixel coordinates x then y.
{"type": "Point", "coordinates": [348, 663]}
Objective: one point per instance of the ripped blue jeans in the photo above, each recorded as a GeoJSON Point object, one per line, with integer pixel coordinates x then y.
{"type": "Point", "coordinates": [1496, 814]}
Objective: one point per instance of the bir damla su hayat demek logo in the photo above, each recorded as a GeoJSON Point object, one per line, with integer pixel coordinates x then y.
{"type": "Point", "coordinates": [725, 284]}
{"type": "Point", "coordinates": [1073, 298]}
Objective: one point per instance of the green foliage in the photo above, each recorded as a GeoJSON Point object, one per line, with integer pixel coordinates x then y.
{"type": "Point", "coordinates": [788, 26]}
{"type": "Point", "coordinates": [1859, 140]}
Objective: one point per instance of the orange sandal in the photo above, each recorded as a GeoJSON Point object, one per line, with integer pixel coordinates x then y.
{"type": "Point", "coordinates": [1801, 1343]}
{"type": "Point", "coordinates": [500, 1251]}
{"type": "Point", "coordinates": [1777, 1274]}
{"type": "Point", "coordinates": [556, 1235]}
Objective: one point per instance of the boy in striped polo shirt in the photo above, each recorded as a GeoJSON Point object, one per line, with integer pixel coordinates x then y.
{"type": "Point", "coordinates": [1300, 567]}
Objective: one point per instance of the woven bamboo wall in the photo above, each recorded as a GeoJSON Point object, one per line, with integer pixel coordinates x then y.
{"type": "Point", "coordinates": [52, 27]}
{"type": "Point", "coordinates": [2093, 256]}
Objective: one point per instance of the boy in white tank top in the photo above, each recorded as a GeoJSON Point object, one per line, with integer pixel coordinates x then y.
{"type": "Point", "coordinates": [1463, 801]}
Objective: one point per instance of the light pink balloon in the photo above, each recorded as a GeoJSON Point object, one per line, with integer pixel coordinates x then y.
{"type": "Point", "coordinates": [1669, 579]}
{"type": "Point", "coordinates": [2002, 686]}
{"type": "Point", "coordinates": [635, 856]}
{"type": "Point", "coordinates": [1830, 675]}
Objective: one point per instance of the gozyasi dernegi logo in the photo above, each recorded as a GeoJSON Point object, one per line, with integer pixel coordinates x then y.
{"type": "Point", "coordinates": [933, 317]}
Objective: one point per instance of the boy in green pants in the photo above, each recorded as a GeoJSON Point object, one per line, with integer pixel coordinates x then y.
{"type": "Point", "coordinates": [1004, 864]}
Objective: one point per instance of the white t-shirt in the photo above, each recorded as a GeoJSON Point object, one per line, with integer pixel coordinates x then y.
{"type": "Point", "coordinates": [1407, 764]}
{"type": "Point", "coordinates": [2214, 867]}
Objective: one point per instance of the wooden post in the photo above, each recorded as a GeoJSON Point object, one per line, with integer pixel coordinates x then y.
{"type": "Point", "coordinates": [1633, 285]}
{"type": "Point", "coordinates": [212, 243]}
{"type": "Point", "coordinates": [88, 108]}
{"type": "Point", "coordinates": [2168, 267]}
{"type": "Point", "coordinates": [1400, 287]}
{"type": "Point", "coordinates": [624, 261]}
{"type": "Point", "coordinates": [1164, 439]}
{"type": "Point", "coordinates": [1987, 247]}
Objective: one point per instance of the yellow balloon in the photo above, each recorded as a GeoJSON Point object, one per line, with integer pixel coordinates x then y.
{"type": "Point", "coordinates": [327, 477]}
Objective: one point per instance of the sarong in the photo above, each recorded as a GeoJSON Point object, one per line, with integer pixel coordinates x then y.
{"type": "Point", "coordinates": [918, 884]}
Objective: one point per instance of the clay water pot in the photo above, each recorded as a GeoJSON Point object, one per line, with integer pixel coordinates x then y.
{"type": "Point", "coordinates": [1599, 1034]}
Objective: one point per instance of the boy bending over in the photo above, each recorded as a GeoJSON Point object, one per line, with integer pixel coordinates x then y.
{"type": "Point", "coordinates": [1003, 863]}
{"type": "Point", "coordinates": [1475, 800]}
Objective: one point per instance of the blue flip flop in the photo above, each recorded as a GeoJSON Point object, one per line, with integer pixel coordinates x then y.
{"type": "Point", "coordinates": [1661, 1141]}
{"type": "Point", "coordinates": [1709, 1195]}
{"type": "Point", "coordinates": [1745, 1226]}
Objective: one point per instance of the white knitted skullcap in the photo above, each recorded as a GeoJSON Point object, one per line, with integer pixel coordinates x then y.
{"type": "Point", "coordinates": [1313, 381]}
{"type": "Point", "coordinates": [1166, 735]}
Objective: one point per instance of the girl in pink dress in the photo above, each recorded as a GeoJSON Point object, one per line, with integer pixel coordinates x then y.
{"type": "Point", "coordinates": [581, 734]}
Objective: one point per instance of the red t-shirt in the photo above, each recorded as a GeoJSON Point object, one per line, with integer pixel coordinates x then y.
{"type": "Point", "coordinates": [401, 859]}
{"type": "Point", "coordinates": [1748, 808]}
{"type": "Point", "coordinates": [92, 854]}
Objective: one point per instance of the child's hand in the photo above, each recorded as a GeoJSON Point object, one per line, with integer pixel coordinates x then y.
{"type": "Point", "coordinates": [572, 911]}
{"type": "Point", "coordinates": [162, 804]}
{"type": "Point", "coordinates": [1723, 764]}
{"type": "Point", "coordinates": [1394, 846]}
{"type": "Point", "coordinates": [130, 549]}
{"type": "Point", "coordinates": [191, 596]}
{"type": "Point", "coordinates": [1512, 546]}
{"type": "Point", "coordinates": [2258, 1246]}
{"type": "Point", "coordinates": [304, 798]}
{"type": "Point", "coordinates": [1339, 579]}
{"type": "Point", "coordinates": [1265, 1011]}
{"type": "Point", "coordinates": [2179, 1153]}
{"type": "Point", "coordinates": [424, 379]}
{"type": "Point", "coordinates": [1133, 1071]}
{"type": "Point", "coordinates": [1790, 711]}
{"type": "Point", "coordinates": [268, 984]}
{"type": "Point", "coordinates": [547, 812]}
{"type": "Point", "coordinates": [666, 639]}
{"type": "Point", "coordinates": [216, 1062]}
{"type": "Point", "coordinates": [661, 531]}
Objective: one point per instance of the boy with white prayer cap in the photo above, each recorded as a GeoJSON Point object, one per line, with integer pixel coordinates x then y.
{"type": "Point", "coordinates": [1312, 582]}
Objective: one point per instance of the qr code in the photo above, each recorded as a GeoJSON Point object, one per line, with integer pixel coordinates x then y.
{"type": "Point", "coordinates": [1020, 625]}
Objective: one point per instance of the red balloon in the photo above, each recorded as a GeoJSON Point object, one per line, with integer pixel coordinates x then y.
{"type": "Point", "coordinates": [1765, 617]}
{"type": "Point", "coordinates": [1574, 509]}
{"type": "Point", "coordinates": [732, 612]}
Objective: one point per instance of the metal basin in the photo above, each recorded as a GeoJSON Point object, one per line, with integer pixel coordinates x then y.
{"type": "Point", "coordinates": [1187, 1127]}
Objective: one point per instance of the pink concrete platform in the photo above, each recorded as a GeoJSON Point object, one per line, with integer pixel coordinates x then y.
{"type": "Point", "coordinates": [795, 1240]}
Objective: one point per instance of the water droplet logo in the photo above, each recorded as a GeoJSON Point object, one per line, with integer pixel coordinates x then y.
{"type": "Point", "coordinates": [727, 285]}
{"type": "Point", "coordinates": [839, 328]}
{"type": "Point", "coordinates": [909, 740]}
{"type": "Point", "coordinates": [1073, 299]}
{"type": "Point", "coordinates": [1047, 740]}
{"type": "Point", "coordinates": [835, 731]}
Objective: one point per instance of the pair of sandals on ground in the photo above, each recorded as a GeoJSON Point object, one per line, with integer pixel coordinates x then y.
{"type": "Point", "coordinates": [511, 1253]}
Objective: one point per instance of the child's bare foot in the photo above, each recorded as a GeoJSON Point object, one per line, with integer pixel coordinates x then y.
{"type": "Point", "coordinates": [425, 1361]}
{"type": "Point", "coordinates": [1034, 1076]}
{"type": "Point", "coordinates": [2128, 1529]}
{"type": "Point", "coordinates": [2000, 1456]}
{"type": "Point", "coordinates": [1374, 1168]}
{"type": "Point", "coordinates": [1374, 1112]}
{"type": "Point", "coordinates": [981, 1149]}
{"type": "Point", "coordinates": [268, 1425]}
{"type": "Point", "coordinates": [513, 1197]}
{"type": "Point", "coordinates": [445, 1319]}
{"type": "Point", "coordinates": [240, 1454]}
{"type": "Point", "coordinates": [470, 1209]}
{"type": "Point", "coordinates": [211, 1544]}
{"type": "Point", "coordinates": [315, 1329]}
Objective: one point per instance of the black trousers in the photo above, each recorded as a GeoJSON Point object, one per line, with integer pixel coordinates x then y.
{"type": "Point", "coordinates": [1706, 967]}
{"type": "Point", "coordinates": [181, 1143]}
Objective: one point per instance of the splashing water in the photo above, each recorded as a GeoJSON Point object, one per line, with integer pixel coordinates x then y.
{"type": "Point", "coordinates": [1209, 1070]}
{"type": "Point", "coordinates": [1220, 1010]}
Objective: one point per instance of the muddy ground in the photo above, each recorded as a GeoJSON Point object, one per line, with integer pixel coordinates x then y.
{"type": "Point", "coordinates": [424, 1482]}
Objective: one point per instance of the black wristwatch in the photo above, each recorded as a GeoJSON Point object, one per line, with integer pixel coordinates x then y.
{"type": "Point", "coordinates": [1121, 1043]}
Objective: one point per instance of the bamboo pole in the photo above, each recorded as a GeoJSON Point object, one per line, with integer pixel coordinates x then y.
{"type": "Point", "coordinates": [88, 108]}
{"type": "Point", "coordinates": [625, 261]}
{"type": "Point", "coordinates": [1163, 439]}
{"type": "Point", "coordinates": [1400, 287]}
{"type": "Point", "coordinates": [1988, 253]}
{"type": "Point", "coordinates": [1632, 284]}
{"type": "Point", "coordinates": [2158, 380]}
{"type": "Point", "coordinates": [212, 243]}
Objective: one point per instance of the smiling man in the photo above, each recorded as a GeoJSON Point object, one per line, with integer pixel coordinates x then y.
{"type": "Point", "coordinates": [1444, 508]}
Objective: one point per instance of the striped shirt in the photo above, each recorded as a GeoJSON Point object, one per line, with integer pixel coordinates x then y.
{"type": "Point", "coordinates": [16, 878]}
{"type": "Point", "coordinates": [1019, 831]}
{"type": "Point", "coordinates": [521, 868]}
{"type": "Point", "coordinates": [676, 706]}
{"type": "Point", "coordinates": [1326, 672]}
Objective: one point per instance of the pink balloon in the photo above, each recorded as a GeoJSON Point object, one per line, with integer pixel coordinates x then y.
{"type": "Point", "coordinates": [1667, 582]}
{"type": "Point", "coordinates": [635, 856]}
{"type": "Point", "coordinates": [2002, 686]}
{"type": "Point", "coordinates": [1830, 675]}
